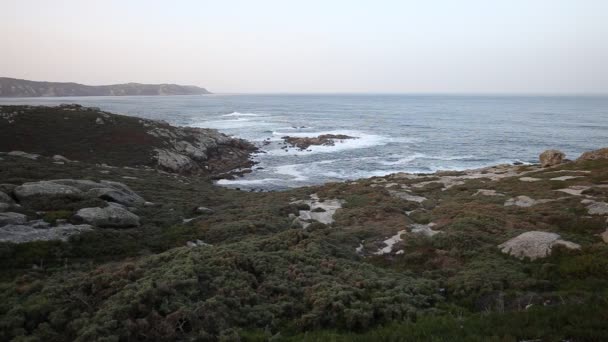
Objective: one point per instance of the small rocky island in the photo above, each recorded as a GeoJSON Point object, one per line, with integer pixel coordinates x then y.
{"type": "Point", "coordinates": [303, 143]}
{"type": "Point", "coordinates": [111, 229]}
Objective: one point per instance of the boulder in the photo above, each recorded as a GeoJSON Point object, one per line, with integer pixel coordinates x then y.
{"type": "Point", "coordinates": [106, 190]}
{"type": "Point", "coordinates": [534, 245]}
{"type": "Point", "coordinates": [594, 155]}
{"type": "Point", "coordinates": [551, 158]}
{"type": "Point", "coordinates": [4, 207]}
{"type": "Point", "coordinates": [12, 218]}
{"type": "Point", "coordinates": [118, 196]}
{"type": "Point", "coordinates": [17, 233]}
{"type": "Point", "coordinates": [4, 198]}
{"type": "Point", "coordinates": [7, 188]}
{"type": "Point", "coordinates": [45, 188]}
{"type": "Point", "coordinates": [110, 216]}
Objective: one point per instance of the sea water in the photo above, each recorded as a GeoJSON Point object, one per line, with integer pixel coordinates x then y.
{"type": "Point", "coordinates": [394, 133]}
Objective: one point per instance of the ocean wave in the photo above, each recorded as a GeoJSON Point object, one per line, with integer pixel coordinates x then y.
{"type": "Point", "coordinates": [229, 124]}
{"type": "Point", "coordinates": [241, 114]}
{"type": "Point", "coordinates": [291, 170]}
{"type": "Point", "coordinates": [245, 181]}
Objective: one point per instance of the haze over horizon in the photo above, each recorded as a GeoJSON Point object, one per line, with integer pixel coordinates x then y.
{"type": "Point", "coordinates": [469, 46]}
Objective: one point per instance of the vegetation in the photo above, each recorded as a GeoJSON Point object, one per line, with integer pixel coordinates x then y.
{"type": "Point", "coordinates": [263, 278]}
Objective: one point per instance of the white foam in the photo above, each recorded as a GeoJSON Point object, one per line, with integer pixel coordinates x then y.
{"type": "Point", "coordinates": [241, 114]}
{"type": "Point", "coordinates": [291, 170]}
{"type": "Point", "coordinates": [363, 140]}
{"type": "Point", "coordinates": [404, 160]}
{"type": "Point", "coordinates": [229, 124]}
{"type": "Point", "coordinates": [245, 181]}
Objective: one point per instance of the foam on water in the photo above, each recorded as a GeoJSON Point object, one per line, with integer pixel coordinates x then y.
{"type": "Point", "coordinates": [245, 181]}
{"type": "Point", "coordinates": [241, 114]}
{"type": "Point", "coordinates": [361, 140]}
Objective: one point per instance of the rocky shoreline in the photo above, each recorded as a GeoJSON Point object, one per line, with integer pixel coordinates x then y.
{"type": "Point", "coordinates": [127, 245]}
{"type": "Point", "coordinates": [85, 134]}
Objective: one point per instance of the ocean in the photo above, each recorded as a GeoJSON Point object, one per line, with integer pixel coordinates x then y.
{"type": "Point", "coordinates": [394, 133]}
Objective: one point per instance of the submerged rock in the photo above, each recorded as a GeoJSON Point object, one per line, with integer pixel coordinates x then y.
{"type": "Point", "coordinates": [551, 158]}
{"type": "Point", "coordinates": [534, 245]}
{"type": "Point", "coordinates": [325, 139]}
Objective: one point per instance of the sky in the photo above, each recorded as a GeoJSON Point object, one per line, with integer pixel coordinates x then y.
{"type": "Point", "coordinates": [310, 46]}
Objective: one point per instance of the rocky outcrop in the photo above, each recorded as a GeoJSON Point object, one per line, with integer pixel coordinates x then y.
{"type": "Point", "coordinates": [551, 158]}
{"type": "Point", "coordinates": [108, 217]}
{"type": "Point", "coordinates": [134, 142]}
{"type": "Point", "coordinates": [319, 211]}
{"type": "Point", "coordinates": [594, 155]}
{"type": "Point", "coordinates": [196, 150]}
{"type": "Point", "coordinates": [325, 139]}
{"type": "Point", "coordinates": [12, 87]}
{"type": "Point", "coordinates": [534, 245]}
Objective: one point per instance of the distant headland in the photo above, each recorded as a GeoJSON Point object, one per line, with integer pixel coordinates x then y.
{"type": "Point", "coordinates": [12, 87]}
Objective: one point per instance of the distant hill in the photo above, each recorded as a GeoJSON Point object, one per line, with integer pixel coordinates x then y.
{"type": "Point", "coordinates": [12, 87]}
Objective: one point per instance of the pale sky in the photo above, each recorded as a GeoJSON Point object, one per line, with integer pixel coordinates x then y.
{"type": "Point", "coordinates": [430, 46]}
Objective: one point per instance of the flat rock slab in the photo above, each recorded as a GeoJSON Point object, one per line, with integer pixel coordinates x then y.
{"type": "Point", "coordinates": [22, 154]}
{"type": "Point", "coordinates": [404, 195]}
{"type": "Point", "coordinates": [534, 245]}
{"type": "Point", "coordinates": [26, 233]}
{"type": "Point", "coordinates": [529, 179]}
{"type": "Point", "coordinates": [45, 188]}
{"type": "Point", "coordinates": [12, 218]}
{"type": "Point", "coordinates": [485, 192]}
{"type": "Point", "coordinates": [424, 229]}
{"type": "Point", "coordinates": [596, 208]}
{"type": "Point", "coordinates": [576, 190]}
{"type": "Point", "coordinates": [565, 178]}
{"type": "Point", "coordinates": [390, 242]}
{"type": "Point", "coordinates": [520, 201]}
